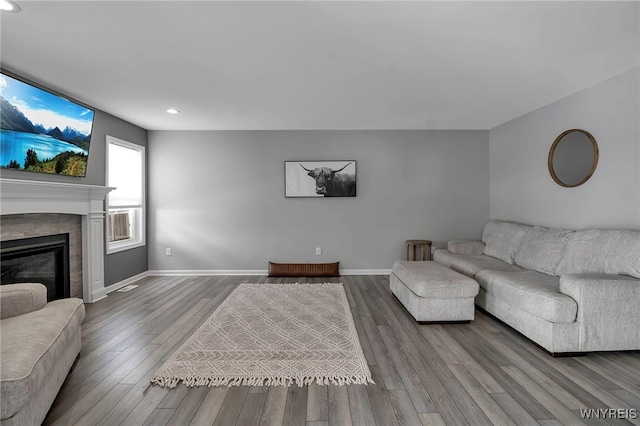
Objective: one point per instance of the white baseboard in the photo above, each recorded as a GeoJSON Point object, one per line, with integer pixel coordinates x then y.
{"type": "Point", "coordinates": [191, 272]}
{"type": "Point", "coordinates": [365, 272]}
{"type": "Point", "coordinates": [125, 282]}
{"type": "Point", "coordinates": [102, 293]}
{"type": "Point", "coordinates": [197, 272]}
{"type": "Point", "coordinates": [97, 295]}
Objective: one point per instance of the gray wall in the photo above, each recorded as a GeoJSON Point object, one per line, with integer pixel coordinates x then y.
{"type": "Point", "coordinates": [521, 186]}
{"type": "Point", "coordinates": [217, 197]}
{"type": "Point", "coordinates": [125, 264]}
{"type": "Point", "coordinates": [118, 266]}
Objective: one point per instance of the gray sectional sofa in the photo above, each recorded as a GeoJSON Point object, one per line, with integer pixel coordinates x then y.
{"type": "Point", "coordinates": [568, 291]}
{"type": "Point", "coordinates": [39, 343]}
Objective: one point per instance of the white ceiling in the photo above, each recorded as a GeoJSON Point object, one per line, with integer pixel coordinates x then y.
{"type": "Point", "coordinates": [320, 65]}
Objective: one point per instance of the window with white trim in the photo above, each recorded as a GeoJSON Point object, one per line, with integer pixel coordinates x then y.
{"type": "Point", "coordinates": [126, 203]}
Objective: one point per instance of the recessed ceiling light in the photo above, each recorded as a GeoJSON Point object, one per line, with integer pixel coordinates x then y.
{"type": "Point", "coordinates": [170, 110]}
{"type": "Point", "coordinates": [9, 6]}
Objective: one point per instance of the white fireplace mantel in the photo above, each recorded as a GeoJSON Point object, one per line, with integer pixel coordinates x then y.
{"type": "Point", "coordinates": [25, 196]}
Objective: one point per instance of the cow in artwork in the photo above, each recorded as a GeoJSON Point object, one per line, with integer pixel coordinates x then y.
{"type": "Point", "coordinates": [332, 183]}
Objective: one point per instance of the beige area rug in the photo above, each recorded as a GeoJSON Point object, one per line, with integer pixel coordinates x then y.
{"type": "Point", "coordinates": [272, 335]}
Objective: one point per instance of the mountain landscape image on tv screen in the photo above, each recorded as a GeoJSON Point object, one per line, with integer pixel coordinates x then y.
{"type": "Point", "coordinates": [42, 132]}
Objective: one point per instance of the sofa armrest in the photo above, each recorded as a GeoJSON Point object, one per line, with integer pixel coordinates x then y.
{"type": "Point", "coordinates": [18, 299]}
{"type": "Point", "coordinates": [607, 310]}
{"type": "Point", "coordinates": [465, 247]}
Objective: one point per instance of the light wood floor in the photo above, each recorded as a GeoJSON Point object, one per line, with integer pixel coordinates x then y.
{"type": "Point", "coordinates": [456, 374]}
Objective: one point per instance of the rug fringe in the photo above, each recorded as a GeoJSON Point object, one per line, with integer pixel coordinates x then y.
{"type": "Point", "coordinates": [172, 382]}
{"type": "Point", "coordinates": [296, 283]}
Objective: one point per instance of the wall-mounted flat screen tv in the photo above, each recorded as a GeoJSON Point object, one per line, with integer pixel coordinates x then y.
{"type": "Point", "coordinates": [41, 131]}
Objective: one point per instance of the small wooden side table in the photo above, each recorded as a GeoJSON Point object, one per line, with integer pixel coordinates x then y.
{"type": "Point", "coordinates": [425, 248]}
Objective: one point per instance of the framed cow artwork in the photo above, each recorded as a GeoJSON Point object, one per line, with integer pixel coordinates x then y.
{"type": "Point", "coordinates": [320, 178]}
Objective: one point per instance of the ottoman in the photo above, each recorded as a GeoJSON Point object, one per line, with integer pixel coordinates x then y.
{"type": "Point", "coordinates": [432, 292]}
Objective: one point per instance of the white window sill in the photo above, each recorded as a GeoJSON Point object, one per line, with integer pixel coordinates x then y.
{"type": "Point", "coordinates": [123, 246]}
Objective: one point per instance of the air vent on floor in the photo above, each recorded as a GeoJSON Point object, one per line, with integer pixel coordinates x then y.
{"type": "Point", "coordinates": [128, 287]}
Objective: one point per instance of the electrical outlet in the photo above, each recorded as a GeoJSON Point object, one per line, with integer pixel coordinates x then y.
{"type": "Point", "coordinates": [168, 251]}
{"type": "Point", "coordinates": [318, 251]}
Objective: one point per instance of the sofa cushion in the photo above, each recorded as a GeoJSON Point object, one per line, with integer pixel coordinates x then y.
{"type": "Point", "coordinates": [531, 291]}
{"type": "Point", "coordinates": [429, 279]}
{"type": "Point", "coordinates": [541, 249]}
{"type": "Point", "coordinates": [470, 265]}
{"type": "Point", "coordinates": [503, 239]}
{"type": "Point", "coordinates": [602, 251]}
{"type": "Point", "coordinates": [466, 247]}
{"type": "Point", "coordinates": [30, 344]}
{"type": "Point", "coordinates": [18, 299]}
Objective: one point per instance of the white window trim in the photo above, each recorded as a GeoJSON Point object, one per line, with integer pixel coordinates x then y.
{"type": "Point", "coordinates": [141, 241]}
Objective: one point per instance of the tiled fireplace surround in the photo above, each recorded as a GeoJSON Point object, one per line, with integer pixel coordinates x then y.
{"type": "Point", "coordinates": [18, 226]}
{"type": "Point", "coordinates": [31, 209]}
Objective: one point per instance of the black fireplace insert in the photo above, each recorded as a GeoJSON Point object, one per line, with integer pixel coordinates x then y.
{"type": "Point", "coordinates": [42, 260]}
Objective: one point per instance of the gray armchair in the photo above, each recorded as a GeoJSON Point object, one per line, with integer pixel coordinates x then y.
{"type": "Point", "coordinates": [39, 343]}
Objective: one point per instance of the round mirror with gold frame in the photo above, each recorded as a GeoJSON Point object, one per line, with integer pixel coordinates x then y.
{"type": "Point", "coordinates": [573, 158]}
